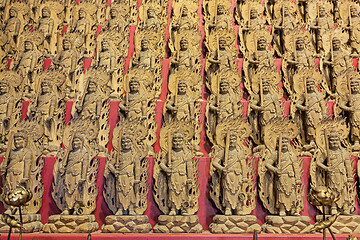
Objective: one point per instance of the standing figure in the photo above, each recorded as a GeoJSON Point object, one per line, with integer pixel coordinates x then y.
{"type": "Point", "coordinates": [322, 26]}
{"type": "Point", "coordinates": [222, 21]}
{"type": "Point", "coordinates": [335, 166]}
{"type": "Point", "coordinates": [7, 102]}
{"type": "Point", "coordinates": [12, 27]}
{"type": "Point", "coordinates": [151, 23]}
{"type": "Point", "coordinates": [74, 170]}
{"type": "Point", "coordinates": [82, 25]}
{"type": "Point", "coordinates": [184, 58]}
{"type": "Point", "coordinates": [145, 58]}
{"type": "Point", "coordinates": [134, 103]}
{"type": "Point", "coordinates": [46, 25]}
{"type": "Point", "coordinates": [90, 103]}
{"type": "Point", "coordinates": [314, 107]}
{"type": "Point", "coordinates": [26, 64]}
{"type": "Point", "coordinates": [115, 22]}
{"type": "Point", "coordinates": [107, 59]}
{"type": "Point", "coordinates": [220, 59]}
{"type": "Point", "coordinates": [287, 180]}
{"type": "Point", "coordinates": [354, 30]}
{"type": "Point", "coordinates": [126, 170]}
{"type": "Point", "coordinates": [181, 106]}
{"type": "Point", "coordinates": [231, 165]}
{"type": "Point", "coordinates": [351, 103]}
{"type": "Point", "coordinates": [179, 170]}
{"type": "Point", "coordinates": [185, 22]}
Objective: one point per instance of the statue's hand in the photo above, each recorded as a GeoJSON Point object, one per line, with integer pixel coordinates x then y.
{"type": "Point", "coordinates": [78, 108]}
{"type": "Point", "coordinates": [136, 181]}
{"type": "Point", "coordinates": [350, 180]}
{"type": "Point", "coordinates": [82, 181]}
{"type": "Point", "coordinates": [188, 181]}
{"type": "Point", "coordinates": [24, 180]}
{"type": "Point", "coordinates": [245, 179]}
{"type": "Point", "coordinates": [298, 182]}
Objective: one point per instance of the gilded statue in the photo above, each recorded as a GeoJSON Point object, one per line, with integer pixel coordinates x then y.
{"type": "Point", "coordinates": [82, 24]}
{"type": "Point", "coordinates": [151, 22]}
{"type": "Point", "coordinates": [349, 103]}
{"type": "Point", "coordinates": [221, 58]}
{"type": "Point", "coordinates": [46, 25]}
{"type": "Point", "coordinates": [116, 22]}
{"type": "Point", "coordinates": [280, 170]}
{"type": "Point", "coordinates": [183, 21]}
{"type": "Point", "coordinates": [331, 166]}
{"type": "Point", "coordinates": [336, 63]}
{"type": "Point", "coordinates": [134, 103]}
{"type": "Point", "coordinates": [221, 20]}
{"type": "Point", "coordinates": [313, 105]}
{"type": "Point", "coordinates": [184, 58]}
{"type": "Point", "coordinates": [12, 27]}
{"type": "Point", "coordinates": [354, 30]}
{"type": "Point", "coordinates": [7, 106]}
{"type": "Point", "coordinates": [90, 102]}
{"type": "Point", "coordinates": [145, 58]}
{"type": "Point", "coordinates": [66, 60]}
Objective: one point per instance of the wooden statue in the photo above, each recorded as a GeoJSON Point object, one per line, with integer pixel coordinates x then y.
{"type": "Point", "coordinates": [22, 165]}
{"type": "Point", "coordinates": [232, 185]}
{"type": "Point", "coordinates": [7, 106]}
{"type": "Point", "coordinates": [175, 172]}
{"type": "Point", "coordinates": [46, 27]}
{"type": "Point", "coordinates": [12, 28]}
{"type": "Point", "coordinates": [126, 186]}
{"type": "Point", "coordinates": [145, 58]}
{"type": "Point", "coordinates": [219, 19]}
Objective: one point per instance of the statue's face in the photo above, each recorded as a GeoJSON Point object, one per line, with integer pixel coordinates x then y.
{"type": "Point", "coordinates": [19, 142]}
{"type": "Point", "coordinates": [12, 13]}
{"type": "Point", "coordinates": [134, 86]}
{"type": "Point", "coordinates": [222, 43]}
{"type": "Point", "coordinates": [220, 10]}
{"type": "Point", "coordinates": [182, 88]}
{"type": "Point", "coordinates": [178, 141]}
{"type": "Point", "coordinates": [310, 86]}
{"type": "Point", "coordinates": [4, 88]}
{"type": "Point", "coordinates": [266, 85]}
{"type": "Point", "coordinates": [66, 45]}
{"type": "Point", "coordinates": [76, 143]}
{"type": "Point", "coordinates": [113, 13]}
{"type": "Point", "coordinates": [224, 87]}
{"type": "Point", "coordinates": [253, 14]}
{"type": "Point", "coordinates": [233, 139]}
{"type": "Point", "coordinates": [336, 45]}
{"type": "Point", "coordinates": [28, 46]}
{"type": "Point", "coordinates": [105, 45]}
{"type": "Point", "coordinates": [286, 11]}
{"type": "Point", "coordinates": [353, 12]}
{"type": "Point", "coordinates": [184, 12]}
{"type": "Point", "coordinates": [183, 45]}
{"type": "Point", "coordinates": [92, 87]}
{"type": "Point", "coordinates": [126, 143]}
{"type": "Point", "coordinates": [321, 12]}
{"type": "Point", "coordinates": [334, 142]}
{"type": "Point", "coordinates": [300, 44]}
{"type": "Point", "coordinates": [144, 45]}
{"type": "Point", "coordinates": [81, 13]}
{"type": "Point", "coordinates": [355, 85]}
{"type": "Point", "coordinates": [45, 12]}
{"type": "Point", "coordinates": [151, 13]}
{"type": "Point", "coordinates": [284, 144]}
{"type": "Point", "coordinates": [45, 88]}
{"type": "Point", "coordinates": [261, 44]}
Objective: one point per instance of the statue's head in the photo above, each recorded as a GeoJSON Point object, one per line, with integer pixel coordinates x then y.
{"type": "Point", "coordinates": [4, 86]}
{"type": "Point", "coordinates": [126, 142]}
{"type": "Point", "coordinates": [184, 11]}
{"type": "Point", "coordinates": [20, 139]}
{"type": "Point", "coordinates": [354, 83]}
{"type": "Point", "coordinates": [12, 12]}
{"type": "Point", "coordinates": [66, 44]}
{"type": "Point", "coordinates": [310, 84]}
{"type": "Point", "coordinates": [300, 44]}
{"type": "Point", "coordinates": [144, 44]}
{"type": "Point", "coordinates": [233, 139]}
{"type": "Point", "coordinates": [78, 141]}
{"type": "Point", "coordinates": [182, 87]}
{"type": "Point", "coordinates": [353, 11]}
{"type": "Point", "coordinates": [46, 86]}
{"type": "Point", "coordinates": [261, 43]}
{"type": "Point", "coordinates": [266, 84]}
{"type": "Point", "coordinates": [45, 12]}
{"type": "Point", "coordinates": [28, 45]}
{"type": "Point", "coordinates": [321, 11]}
{"type": "Point", "coordinates": [151, 12]}
{"type": "Point", "coordinates": [82, 13]}
{"type": "Point", "coordinates": [222, 43]}
{"type": "Point", "coordinates": [224, 85]}
{"type": "Point", "coordinates": [285, 142]}
{"type": "Point", "coordinates": [184, 44]}
{"type": "Point", "coordinates": [334, 140]}
{"type": "Point", "coordinates": [134, 84]}
{"type": "Point", "coordinates": [253, 13]}
{"type": "Point", "coordinates": [286, 11]}
{"type": "Point", "coordinates": [336, 43]}
{"type": "Point", "coordinates": [105, 45]}
{"type": "Point", "coordinates": [113, 12]}
{"type": "Point", "coordinates": [220, 9]}
{"type": "Point", "coordinates": [92, 85]}
{"type": "Point", "coordinates": [178, 140]}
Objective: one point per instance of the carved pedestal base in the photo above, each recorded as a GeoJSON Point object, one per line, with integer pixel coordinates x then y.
{"type": "Point", "coordinates": [178, 224]}
{"type": "Point", "coordinates": [31, 223]}
{"type": "Point", "coordinates": [287, 224]}
{"type": "Point", "coordinates": [344, 224]}
{"type": "Point", "coordinates": [126, 224]}
{"type": "Point", "coordinates": [71, 224]}
{"type": "Point", "coordinates": [234, 224]}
